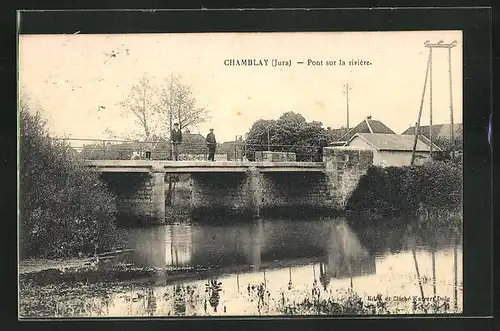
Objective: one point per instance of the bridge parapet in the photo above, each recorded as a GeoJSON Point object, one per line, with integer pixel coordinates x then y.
{"type": "Point", "coordinates": [201, 166]}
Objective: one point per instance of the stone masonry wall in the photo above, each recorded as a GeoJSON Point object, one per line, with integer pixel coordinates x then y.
{"type": "Point", "coordinates": [253, 191]}
{"type": "Point", "coordinates": [135, 195]}
{"type": "Point", "coordinates": [296, 189]}
{"type": "Point", "coordinates": [344, 167]}
{"type": "Point", "coordinates": [220, 191]}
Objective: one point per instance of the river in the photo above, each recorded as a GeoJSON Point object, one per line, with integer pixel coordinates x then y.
{"type": "Point", "coordinates": [268, 267]}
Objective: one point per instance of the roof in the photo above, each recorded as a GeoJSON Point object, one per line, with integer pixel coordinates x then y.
{"type": "Point", "coordinates": [395, 142]}
{"type": "Point", "coordinates": [193, 143]}
{"type": "Point", "coordinates": [229, 146]}
{"type": "Point", "coordinates": [368, 125]}
{"type": "Point", "coordinates": [438, 130]}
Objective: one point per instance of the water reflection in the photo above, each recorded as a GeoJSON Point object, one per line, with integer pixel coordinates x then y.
{"type": "Point", "coordinates": [277, 266]}
{"type": "Point", "coordinates": [260, 244]}
{"type": "Point", "coordinates": [179, 300]}
{"type": "Point", "coordinates": [389, 259]}
{"type": "Point", "coordinates": [213, 287]}
{"type": "Point", "coordinates": [346, 256]}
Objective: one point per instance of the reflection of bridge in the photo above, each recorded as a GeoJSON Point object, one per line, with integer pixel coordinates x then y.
{"type": "Point", "coordinates": [260, 245]}
{"type": "Point", "coordinates": [237, 186]}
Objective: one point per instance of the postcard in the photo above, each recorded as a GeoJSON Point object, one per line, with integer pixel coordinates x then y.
{"type": "Point", "coordinates": [240, 174]}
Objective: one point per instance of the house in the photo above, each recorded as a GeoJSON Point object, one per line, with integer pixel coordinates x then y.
{"type": "Point", "coordinates": [193, 144]}
{"type": "Point", "coordinates": [438, 130]}
{"type": "Point", "coordinates": [393, 149]}
{"type": "Point", "coordinates": [194, 147]}
{"type": "Point", "coordinates": [233, 149]}
{"type": "Point", "coordinates": [441, 135]}
{"type": "Point", "coordinates": [338, 137]}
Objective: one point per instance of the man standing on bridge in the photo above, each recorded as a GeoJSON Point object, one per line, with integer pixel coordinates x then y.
{"type": "Point", "coordinates": [176, 138]}
{"type": "Point", "coordinates": [211, 144]}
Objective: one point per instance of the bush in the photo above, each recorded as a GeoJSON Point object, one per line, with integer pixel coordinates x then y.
{"type": "Point", "coordinates": [65, 209]}
{"type": "Point", "coordinates": [432, 187]}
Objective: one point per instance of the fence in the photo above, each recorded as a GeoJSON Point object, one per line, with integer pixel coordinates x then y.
{"type": "Point", "coordinates": [121, 149]}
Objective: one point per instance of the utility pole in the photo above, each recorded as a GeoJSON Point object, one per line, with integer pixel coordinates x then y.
{"type": "Point", "coordinates": [430, 100]}
{"type": "Point", "coordinates": [449, 46]}
{"type": "Point", "coordinates": [420, 111]}
{"type": "Point", "coordinates": [346, 92]}
{"type": "Point", "coordinates": [452, 130]}
{"type": "Point", "coordinates": [268, 139]}
{"type": "Point", "coordinates": [170, 111]}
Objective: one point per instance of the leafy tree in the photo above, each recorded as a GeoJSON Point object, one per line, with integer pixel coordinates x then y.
{"type": "Point", "coordinates": [289, 133]}
{"type": "Point", "coordinates": [257, 139]}
{"type": "Point", "coordinates": [65, 209]}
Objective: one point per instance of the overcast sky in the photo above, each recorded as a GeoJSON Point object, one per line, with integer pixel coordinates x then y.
{"type": "Point", "coordinates": [70, 76]}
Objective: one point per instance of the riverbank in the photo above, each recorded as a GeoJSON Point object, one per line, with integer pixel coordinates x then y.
{"type": "Point", "coordinates": [138, 300]}
{"type": "Point", "coordinates": [33, 265]}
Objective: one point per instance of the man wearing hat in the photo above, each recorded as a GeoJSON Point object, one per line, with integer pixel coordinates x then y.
{"type": "Point", "coordinates": [176, 138]}
{"type": "Point", "coordinates": [211, 144]}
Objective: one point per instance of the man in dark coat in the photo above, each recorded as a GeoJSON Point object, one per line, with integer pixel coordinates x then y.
{"type": "Point", "coordinates": [211, 144]}
{"type": "Point", "coordinates": [176, 138]}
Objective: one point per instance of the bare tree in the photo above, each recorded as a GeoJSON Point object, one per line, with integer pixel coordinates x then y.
{"type": "Point", "coordinates": [178, 104]}
{"type": "Point", "coordinates": [155, 108]}
{"type": "Point", "coordinates": [142, 105]}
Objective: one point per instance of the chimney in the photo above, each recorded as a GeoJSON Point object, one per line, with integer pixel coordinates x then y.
{"type": "Point", "coordinates": [369, 117]}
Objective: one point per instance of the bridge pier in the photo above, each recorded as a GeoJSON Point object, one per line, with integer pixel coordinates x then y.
{"type": "Point", "coordinates": [254, 194]}
{"type": "Point", "coordinates": [140, 197]}
{"type": "Point", "coordinates": [158, 196]}
{"type": "Point", "coordinates": [257, 235]}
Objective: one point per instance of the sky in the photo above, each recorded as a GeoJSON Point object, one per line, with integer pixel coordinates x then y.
{"type": "Point", "coordinates": [79, 85]}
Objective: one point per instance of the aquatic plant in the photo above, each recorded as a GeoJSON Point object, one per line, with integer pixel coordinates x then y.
{"type": "Point", "coordinates": [351, 303]}
{"type": "Point", "coordinates": [260, 295]}
{"type": "Point", "coordinates": [213, 288]}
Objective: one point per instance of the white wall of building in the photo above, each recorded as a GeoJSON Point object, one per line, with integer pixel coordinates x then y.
{"type": "Point", "coordinates": [390, 158]}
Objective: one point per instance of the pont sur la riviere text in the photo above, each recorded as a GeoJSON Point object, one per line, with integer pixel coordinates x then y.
{"type": "Point", "coordinates": [288, 63]}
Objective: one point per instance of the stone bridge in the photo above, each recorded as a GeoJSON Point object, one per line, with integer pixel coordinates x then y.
{"type": "Point", "coordinates": [236, 186]}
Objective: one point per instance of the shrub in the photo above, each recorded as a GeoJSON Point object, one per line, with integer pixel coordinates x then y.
{"type": "Point", "coordinates": [65, 209]}
{"type": "Point", "coordinates": [433, 187]}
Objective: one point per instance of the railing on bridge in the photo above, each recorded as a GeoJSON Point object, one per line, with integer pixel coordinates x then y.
{"type": "Point", "coordinates": [122, 149]}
